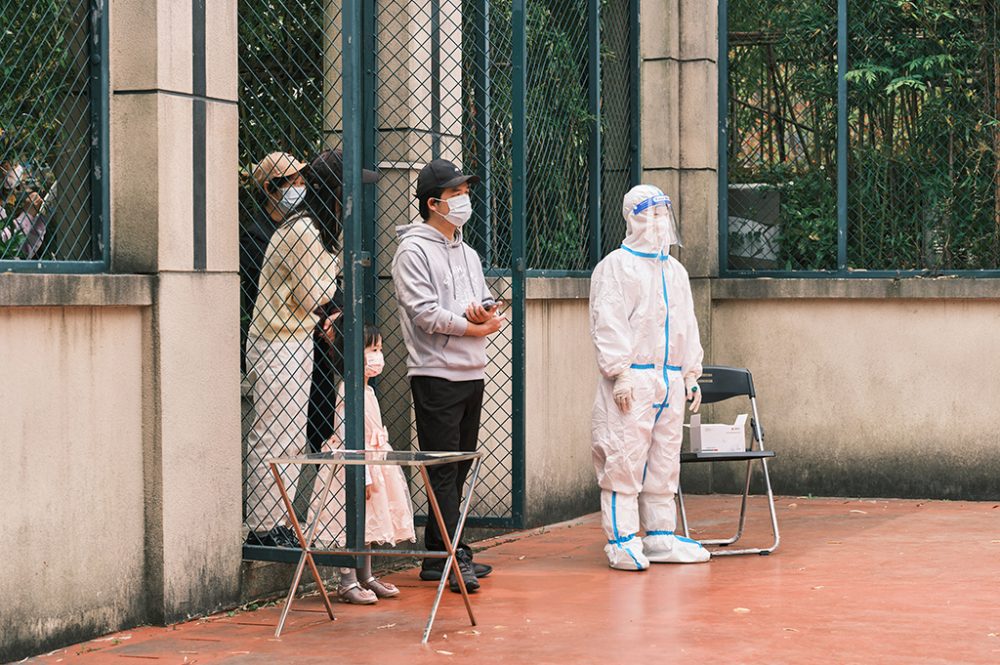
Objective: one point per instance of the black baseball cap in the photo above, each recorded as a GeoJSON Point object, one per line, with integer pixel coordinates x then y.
{"type": "Point", "coordinates": [328, 168]}
{"type": "Point", "coordinates": [441, 174]}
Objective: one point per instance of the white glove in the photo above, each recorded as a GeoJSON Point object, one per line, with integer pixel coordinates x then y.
{"type": "Point", "coordinates": [693, 396]}
{"type": "Point", "coordinates": [623, 391]}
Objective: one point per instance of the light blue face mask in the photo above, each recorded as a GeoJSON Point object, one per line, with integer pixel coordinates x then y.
{"type": "Point", "coordinates": [291, 198]}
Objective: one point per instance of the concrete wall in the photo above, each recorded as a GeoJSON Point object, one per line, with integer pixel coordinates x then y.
{"type": "Point", "coordinates": [121, 482]}
{"type": "Point", "coordinates": [561, 383]}
{"type": "Point", "coordinates": [71, 480]}
{"type": "Point", "coordinates": [869, 390]}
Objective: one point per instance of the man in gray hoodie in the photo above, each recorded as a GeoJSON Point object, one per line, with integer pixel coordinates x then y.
{"type": "Point", "coordinates": [446, 312]}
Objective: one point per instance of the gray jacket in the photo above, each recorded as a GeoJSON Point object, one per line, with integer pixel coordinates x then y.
{"type": "Point", "coordinates": [435, 281]}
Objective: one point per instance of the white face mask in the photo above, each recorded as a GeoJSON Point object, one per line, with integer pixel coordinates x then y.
{"type": "Point", "coordinates": [374, 363]}
{"type": "Point", "coordinates": [459, 210]}
{"type": "Point", "coordinates": [291, 198]}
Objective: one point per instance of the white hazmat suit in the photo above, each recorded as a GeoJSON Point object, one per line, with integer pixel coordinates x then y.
{"type": "Point", "coordinates": [643, 324]}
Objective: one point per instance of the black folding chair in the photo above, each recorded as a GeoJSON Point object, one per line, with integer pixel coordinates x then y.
{"type": "Point", "coordinates": [718, 384]}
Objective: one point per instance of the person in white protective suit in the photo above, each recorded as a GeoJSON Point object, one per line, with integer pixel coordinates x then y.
{"type": "Point", "coordinates": [649, 353]}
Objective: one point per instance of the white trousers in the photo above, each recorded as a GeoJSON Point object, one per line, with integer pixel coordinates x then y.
{"type": "Point", "coordinates": [637, 454]}
{"type": "Point", "coordinates": [281, 375]}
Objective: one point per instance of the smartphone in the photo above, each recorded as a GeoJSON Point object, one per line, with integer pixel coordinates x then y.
{"type": "Point", "coordinates": [489, 304]}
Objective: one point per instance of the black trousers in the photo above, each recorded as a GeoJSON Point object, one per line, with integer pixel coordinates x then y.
{"type": "Point", "coordinates": [320, 423]}
{"type": "Point", "coordinates": [448, 414]}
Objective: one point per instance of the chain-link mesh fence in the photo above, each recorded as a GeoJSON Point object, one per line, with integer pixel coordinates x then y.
{"type": "Point", "coordinates": [443, 85]}
{"type": "Point", "coordinates": [290, 256]}
{"type": "Point", "coordinates": [53, 96]}
{"type": "Point", "coordinates": [782, 138]}
{"type": "Point", "coordinates": [619, 165]}
{"type": "Point", "coordinates": [924, 159]}
{"type": "Point", "coordinates": [922, 139]}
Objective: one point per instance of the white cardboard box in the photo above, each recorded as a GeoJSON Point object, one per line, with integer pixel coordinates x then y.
{"type": "Point", "coordinates": [718, 438]}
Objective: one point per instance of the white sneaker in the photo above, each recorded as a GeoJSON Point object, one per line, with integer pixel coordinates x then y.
{"type": "Point", "coordinates": [626, 554]}
{"type": "Point", "coordinates": [666, 547]}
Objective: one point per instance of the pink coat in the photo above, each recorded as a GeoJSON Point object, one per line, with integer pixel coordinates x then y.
{"type": "Point", "coordinates": [389, 511]}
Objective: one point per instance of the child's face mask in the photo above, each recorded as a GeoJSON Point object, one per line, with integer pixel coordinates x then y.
{"type": "Point", "coordinates": [374, 363]}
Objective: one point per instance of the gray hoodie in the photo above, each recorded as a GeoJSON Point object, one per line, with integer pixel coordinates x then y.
{"type": "Point", "coordinates": [435, 281]}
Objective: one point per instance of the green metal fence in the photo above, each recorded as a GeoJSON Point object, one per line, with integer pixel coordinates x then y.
{"type": "Point", "coordinates": [538, 99]}
{"type": "Point", "coordinates": [53, 136]}
{"type": "Point", "coordinates": [859, 138]}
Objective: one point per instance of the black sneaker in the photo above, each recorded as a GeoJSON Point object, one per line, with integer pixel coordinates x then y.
{"type": "Point", "coordinates": [469, 577]}
{"type": "Point", "coordinates": [431, 569]}
{"type": "Point", "coordinates": [260, 539]}
{"type": "Point", "coordinates": [284, 536]}
{"type": "Point", "coordinates": [279, 536]}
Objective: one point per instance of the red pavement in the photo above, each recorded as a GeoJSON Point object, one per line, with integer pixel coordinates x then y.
{"type": "Point", "coordinates": [854, 581]}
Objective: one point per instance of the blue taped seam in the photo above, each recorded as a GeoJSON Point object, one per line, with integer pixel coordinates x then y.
{"type": "Point", "coordinates": [620, 541]}
{"type": "Point", "coordinates": [645, 255]}
{"type": "Point", "coordinates": [688, 540]}
{"type": "Point", "coordinates": [666, 345]}
{"type": "Point", "coordinates": [659, 533]}
{"type": "Point", "coordinates": [649, 366]}
{"type": "Point", "coordinates": [614, 514]}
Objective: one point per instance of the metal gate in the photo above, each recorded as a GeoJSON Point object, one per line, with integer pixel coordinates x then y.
{"type": "Point", "coordinates": [397, 83]}
{"type": "Point", "coordinates": [393, 84]}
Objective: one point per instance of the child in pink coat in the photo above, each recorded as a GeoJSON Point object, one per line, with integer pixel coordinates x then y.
{"type": "Point", "coordinates": [388, 508]}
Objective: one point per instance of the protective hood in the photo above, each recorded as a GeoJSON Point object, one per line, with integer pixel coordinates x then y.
{"type": "Point", "coordinates": [649, 215]}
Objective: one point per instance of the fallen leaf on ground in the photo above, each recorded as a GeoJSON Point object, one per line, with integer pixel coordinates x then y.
{"type": "Point", "coordinates": [791, 630]}
{"type": "Point", "coordinates": [793, 505]}
{"type": "Point", "coordinates": [445, 653]}
{"type": "Point", "coordinates": [834, 542]}
{"type": "Point", "coordinates": [860, 512]}
{"type": "Point", "coordinates": [388, 625]}
{"type": "Point", "coordinates": [819, 587]}
{"type": "Point", "coordinates": [741, 610]}
{"type": "Point", "coordinates": [467, 632]}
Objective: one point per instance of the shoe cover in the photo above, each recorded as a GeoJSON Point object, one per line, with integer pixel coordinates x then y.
{"type": "Point", "coordinates": [626, 554]}
{"type": "Point", "coordinates": [665, 547]}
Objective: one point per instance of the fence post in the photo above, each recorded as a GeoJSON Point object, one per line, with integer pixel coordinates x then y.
{"type": "Point", "coordinates": [99, 193]}
{"type": "Point", "coordinates": [594, 160]}
{"type": "Point", "coordinates": [369, 133]}
{"type": "Point", "coordinates": [354, 264]}
{"type": "Point", "coordinates": [635, 94]}
{"type": "Point", "coordinates": [842, 135]}
{"type": "Point", "coordinates": [723, 65]}
{"type": "Point", "coordinates": [518, 163]}
{"type": "Point", "coordinates": [481, 83]}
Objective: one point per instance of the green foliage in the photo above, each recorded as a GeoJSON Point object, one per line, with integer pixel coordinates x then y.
{"type": "Point", "coordinates": [281, 77]}
{"type": "Point", "coordinates": [558, 121]}
{"type": "Point", "coordinates": [924, 141]}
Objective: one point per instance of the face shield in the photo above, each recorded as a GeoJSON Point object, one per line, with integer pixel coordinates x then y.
{"type": "Point", "coordinates": [651, 223]}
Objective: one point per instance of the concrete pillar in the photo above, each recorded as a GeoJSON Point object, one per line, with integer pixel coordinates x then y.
{"type": "Point", "coordinates": [679, 49]}
{"type": "Point", "coordinates": [174, 214]}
